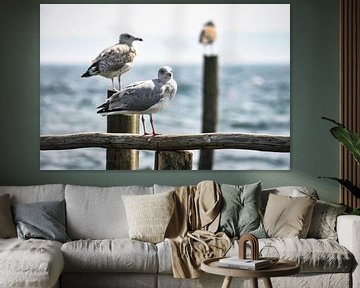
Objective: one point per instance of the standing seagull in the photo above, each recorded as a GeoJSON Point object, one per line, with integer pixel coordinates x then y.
{"type": "Point", "coordinates": [114, 61]}
{"type": "Point", "coordinates": [143, 97]}
{"type": "Point", "coordinates": [208, 35]}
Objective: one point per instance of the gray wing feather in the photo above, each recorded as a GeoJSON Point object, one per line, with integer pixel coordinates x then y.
{"type": "Point", "coordinates": [137, 97]}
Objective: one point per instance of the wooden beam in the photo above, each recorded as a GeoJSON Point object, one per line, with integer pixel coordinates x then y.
{"type": "Point", "coordinates": [173, 160]}
{"type": "Point", "coordinates": [270, 143]}
{"type": "Point", "coordinates": [209, 106]}
{"type": "Point", "coordinates": [117, 159]}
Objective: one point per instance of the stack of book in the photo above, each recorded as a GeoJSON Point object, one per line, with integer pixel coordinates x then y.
{"type": "Point", "coordinates": [248, 264]}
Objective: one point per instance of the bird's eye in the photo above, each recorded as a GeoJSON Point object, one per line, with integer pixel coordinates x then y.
{"type": "Point", "coordinates": [169, 74]}
{"type": "Point", "coordinates": [162, 71]}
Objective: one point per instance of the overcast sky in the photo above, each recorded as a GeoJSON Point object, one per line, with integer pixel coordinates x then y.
{"type": "Point", "coordinates": [247, 33]}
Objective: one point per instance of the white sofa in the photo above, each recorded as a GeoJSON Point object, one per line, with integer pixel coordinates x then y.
{"type": "Point", "coordinates": [101, 254]}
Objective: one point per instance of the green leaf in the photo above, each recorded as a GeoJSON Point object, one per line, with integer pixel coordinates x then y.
{"type": "Point", "coordinates": [349, 139]}
{"type": "Point", "coordinates": [355, 211]}
{"type": "Point", "coordinates": [347, 184]}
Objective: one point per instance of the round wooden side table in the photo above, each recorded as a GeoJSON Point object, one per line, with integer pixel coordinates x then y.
{"type": "Point", "coordinates": [281, 268]}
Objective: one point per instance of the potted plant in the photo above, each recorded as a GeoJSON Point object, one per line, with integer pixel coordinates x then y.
{"type": "Point", "coordinates": [351, 141]}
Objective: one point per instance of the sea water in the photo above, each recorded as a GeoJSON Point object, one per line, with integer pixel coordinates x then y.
{"type": "Point", "coordinates": [252, 99]}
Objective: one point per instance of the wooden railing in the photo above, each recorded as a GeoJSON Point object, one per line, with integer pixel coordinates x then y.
{"type": "Point", "coordinates": [160, 143]}
{"type": "Point", "coordinates": [167, 142]}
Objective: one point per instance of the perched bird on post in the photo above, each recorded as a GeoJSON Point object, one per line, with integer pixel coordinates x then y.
{"type": "Point", "coordinates": [208, 35]}
{"type": "Point", "coordinates": [143, 97]}
{"type": "Point", "coordinates": [114, 61]}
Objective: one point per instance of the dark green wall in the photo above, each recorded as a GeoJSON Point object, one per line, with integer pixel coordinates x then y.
{"type": "Point", "coordinates": [314, 93]}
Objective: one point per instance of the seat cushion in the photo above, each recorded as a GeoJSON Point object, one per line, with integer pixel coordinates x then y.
{"type": "Point", "coordinates": [98, 212]}
{"type": "Point", "coordinates": [30, 263]}
{"type": "Point", "coordinates": [313, 255]}
{"type": "Point", "coordinates": [117, 255]}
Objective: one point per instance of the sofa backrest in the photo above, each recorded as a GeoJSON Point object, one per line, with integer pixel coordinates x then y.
{"type": "Point", "coordinates": [35, 193]}
{"type": "Point", "coordinates": [98, 212]}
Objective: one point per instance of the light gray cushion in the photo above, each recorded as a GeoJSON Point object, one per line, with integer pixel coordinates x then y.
{"type": "Point", "coordinates": [313, 255]}
{"type": "Point", "coordinates": [288, 216]}
{"type": "Point", "coordinates": [323, 222]}
{"type": "Point", "coordinates": [44, 220]}
{"type": "Point", "coordinates": [30, 263]}
{"type": "Point", "coordinates": [240, 213]}
{"type": "Point", "coordinates": [117, 255]}
{"type": "Point", "coordinates": [98, 212]}
{"type": "Point", "coordinates": [7, 226]}
{"type": "Point", "coordinates": [149, 215]}
{"type": "Point", "coordinates": [163, 188]}
{"type": "Point", "coordinates": [34, 193]}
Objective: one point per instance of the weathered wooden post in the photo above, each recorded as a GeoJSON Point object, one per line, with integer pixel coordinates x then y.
{"type": "Point", "coordinates": [173, 160]}
{"type": "Point", "coordinates": [210, 106]}
{"type": "Point", "coordinates": [122, 159]}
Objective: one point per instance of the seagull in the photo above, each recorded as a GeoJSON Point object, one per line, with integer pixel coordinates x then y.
{"type": "Point", "coordinates": [143, 97]}
{"type": "Point", "coordinates": [208, 35]}
{"type": "Point", "coordinates": [114, 61]}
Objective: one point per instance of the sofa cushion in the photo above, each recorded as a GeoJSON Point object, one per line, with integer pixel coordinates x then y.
{"type": "Point", "coordinates": [43, 220]}
{"type": "Point", "coordinates": [149, 215]}
{"type": "Point", "coordinates": [34, 193]}
{"type": "Point", "coordinates": [240, 210]}
{"type": "Point", "coordinates": [117, 255]}
{"type": "Point", "coordinates": [7, 226]}
{"type": "Point", "coordinates": [323, 222]}
{"type": "Point", "coordinates": [287, 216]}
{"type": "Point", "coordinates": [313, 255]}
{"type": "Point", "coordinates": [98, 213]}
{"type": "Point", "coordinates": [30, 263]}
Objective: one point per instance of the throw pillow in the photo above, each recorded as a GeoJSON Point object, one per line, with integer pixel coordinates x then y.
{"type": "Point", "coordinates": [149, 215]}
{"type": "Point", "coordinates": [323, 222]}
{"type": "Point", "coordinates": [240, 213]}
{"type": "Point", "coordinates": [288, 217]}
{"type": "Point", "coordinates": [44, 220]}
{"type": "Point", "coordinates": [7, 226]}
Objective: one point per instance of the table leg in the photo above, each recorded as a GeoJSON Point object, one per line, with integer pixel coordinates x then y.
{"type": "Point", "coordinates": [227, 282]}
{"type": "Point", "coordinates": [267, 283]}
{"type": "Point", "coordinates": [254, 282]}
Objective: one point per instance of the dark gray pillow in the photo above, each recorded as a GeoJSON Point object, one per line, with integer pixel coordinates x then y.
{"type": "Point", "coordinates": [240, 213]}
{"type": "Point", "coordinates": [44, 220]}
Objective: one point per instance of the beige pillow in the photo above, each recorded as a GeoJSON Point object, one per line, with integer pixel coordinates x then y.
{"type": "Point", "coordinates": [288, 217]}
{"type": "Point", "coordinates": [149, 215]}
{"type": "Point", "coordinates": [7, 226]}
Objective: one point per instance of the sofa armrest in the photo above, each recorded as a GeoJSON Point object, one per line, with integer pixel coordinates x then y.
{"type": "Point", "coordinates": [348, 230]}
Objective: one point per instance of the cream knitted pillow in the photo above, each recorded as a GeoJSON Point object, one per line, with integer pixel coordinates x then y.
{"type": "Point", "coordinates": [149, 215]}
